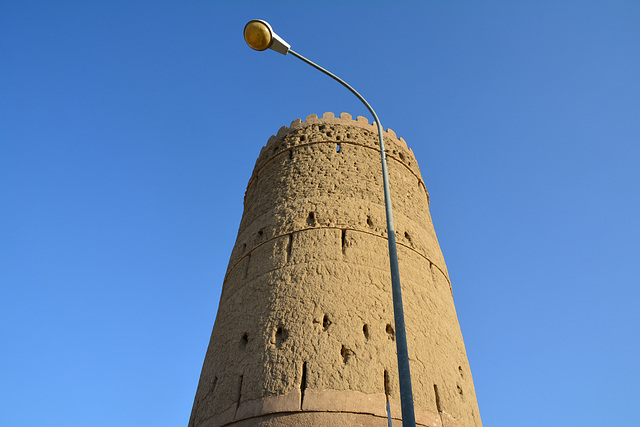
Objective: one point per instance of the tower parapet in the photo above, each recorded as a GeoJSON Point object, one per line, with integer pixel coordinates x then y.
{"type": "Point", "coordinates": [304, 333]}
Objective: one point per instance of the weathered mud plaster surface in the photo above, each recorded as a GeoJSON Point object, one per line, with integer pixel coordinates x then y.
{"type": "Point", "coordinates": [304, 333]}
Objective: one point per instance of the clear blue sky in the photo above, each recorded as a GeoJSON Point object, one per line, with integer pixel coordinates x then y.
{"type": "Point", "coordinates": [129, 130]}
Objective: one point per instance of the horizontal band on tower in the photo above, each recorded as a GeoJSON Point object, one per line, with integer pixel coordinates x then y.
{"type": "Point", "coordinates": [372, 406]}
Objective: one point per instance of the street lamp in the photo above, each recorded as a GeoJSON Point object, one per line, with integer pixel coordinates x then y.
{"type": "Point", "coordinates": [260, 36]}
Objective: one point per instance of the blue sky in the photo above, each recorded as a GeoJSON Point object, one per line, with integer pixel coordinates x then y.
{"type": "Point", "coordinates": [129, 130]}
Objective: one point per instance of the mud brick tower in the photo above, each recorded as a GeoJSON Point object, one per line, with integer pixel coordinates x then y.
{"type": "Point", "coordinates": [304, 334]}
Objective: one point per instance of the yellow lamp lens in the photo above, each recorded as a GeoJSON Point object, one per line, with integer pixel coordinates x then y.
{"type": "Point", "coordinates": [257, 35]}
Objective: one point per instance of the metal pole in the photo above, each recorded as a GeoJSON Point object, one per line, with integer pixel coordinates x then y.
{"type": "Point", "coordinates": [404, 372]}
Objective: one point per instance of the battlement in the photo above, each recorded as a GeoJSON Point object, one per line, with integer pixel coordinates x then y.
{"type": "Point", "coordinates": [344, 119]}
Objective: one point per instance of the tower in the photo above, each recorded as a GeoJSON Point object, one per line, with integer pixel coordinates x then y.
{"type": "Point", "coordinates": [304, 334]}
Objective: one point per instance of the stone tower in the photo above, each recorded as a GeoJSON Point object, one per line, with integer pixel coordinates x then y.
{"type": "Point", "coordinates": [304, 334]}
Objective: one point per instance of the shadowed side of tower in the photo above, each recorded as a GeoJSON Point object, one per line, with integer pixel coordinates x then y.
{"type": "Point", "coordinates": [304, 333]}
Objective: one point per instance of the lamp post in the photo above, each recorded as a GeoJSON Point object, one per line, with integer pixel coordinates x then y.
{"type": "Point", "coordinates": [260, 36]}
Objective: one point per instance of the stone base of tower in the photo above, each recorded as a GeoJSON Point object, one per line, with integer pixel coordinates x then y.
{"type": "Point", "coordinates": [313, 419]}
{"type": "Point", "coordinates": [324, 408]}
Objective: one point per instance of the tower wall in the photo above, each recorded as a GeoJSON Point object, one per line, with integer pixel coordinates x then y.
{"type": "Point", "coordinates": [304, 333]}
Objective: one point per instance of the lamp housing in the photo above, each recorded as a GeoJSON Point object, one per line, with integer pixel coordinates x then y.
{"type": "Point", "coordinates": [260, 36]}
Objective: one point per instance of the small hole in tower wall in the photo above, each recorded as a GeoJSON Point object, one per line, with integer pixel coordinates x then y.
{"type": "Point", "coordinates": [311, 219]}
{"type": "Point", "coordinates": [460, 371]}
{"type": "Point", "coordinates": [365, 331]}
{"type": "Point", "coordinates": [407, 236]}
{"type": "Point", "coordinates": [391, 332]}
{"type": "Point", "coordinates": [261, 232]}
{"type": "Point", "coordinates": [344, 240]}
{"type": "Point", "coordinates": [326, 322]}
{"type": "Point", "coordinates": [322, 127]}
{"type": "Point", "coordinates": [369, 221]}
{"type": "Point", "coordinates": [281, 336]}
{"type": "Point", "coordinates": [338, 148]}
{"type": "Point", "coordinates": [303, 138]}
{"type": "Point", "coordinates": [245, 339]}
{"type": "Point", "coordinates": [348, 135]}
{"type": "Point", "coordinates": [459, 390]}
{"type": "Point", "coordinates": [290, 154]}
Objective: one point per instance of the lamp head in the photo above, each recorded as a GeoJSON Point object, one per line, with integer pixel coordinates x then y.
{"type": "Point", "coordinates": [260, 36]}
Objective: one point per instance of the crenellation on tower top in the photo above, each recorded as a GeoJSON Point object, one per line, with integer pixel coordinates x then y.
{"type": "Point", "coordinates": [344, 118]}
